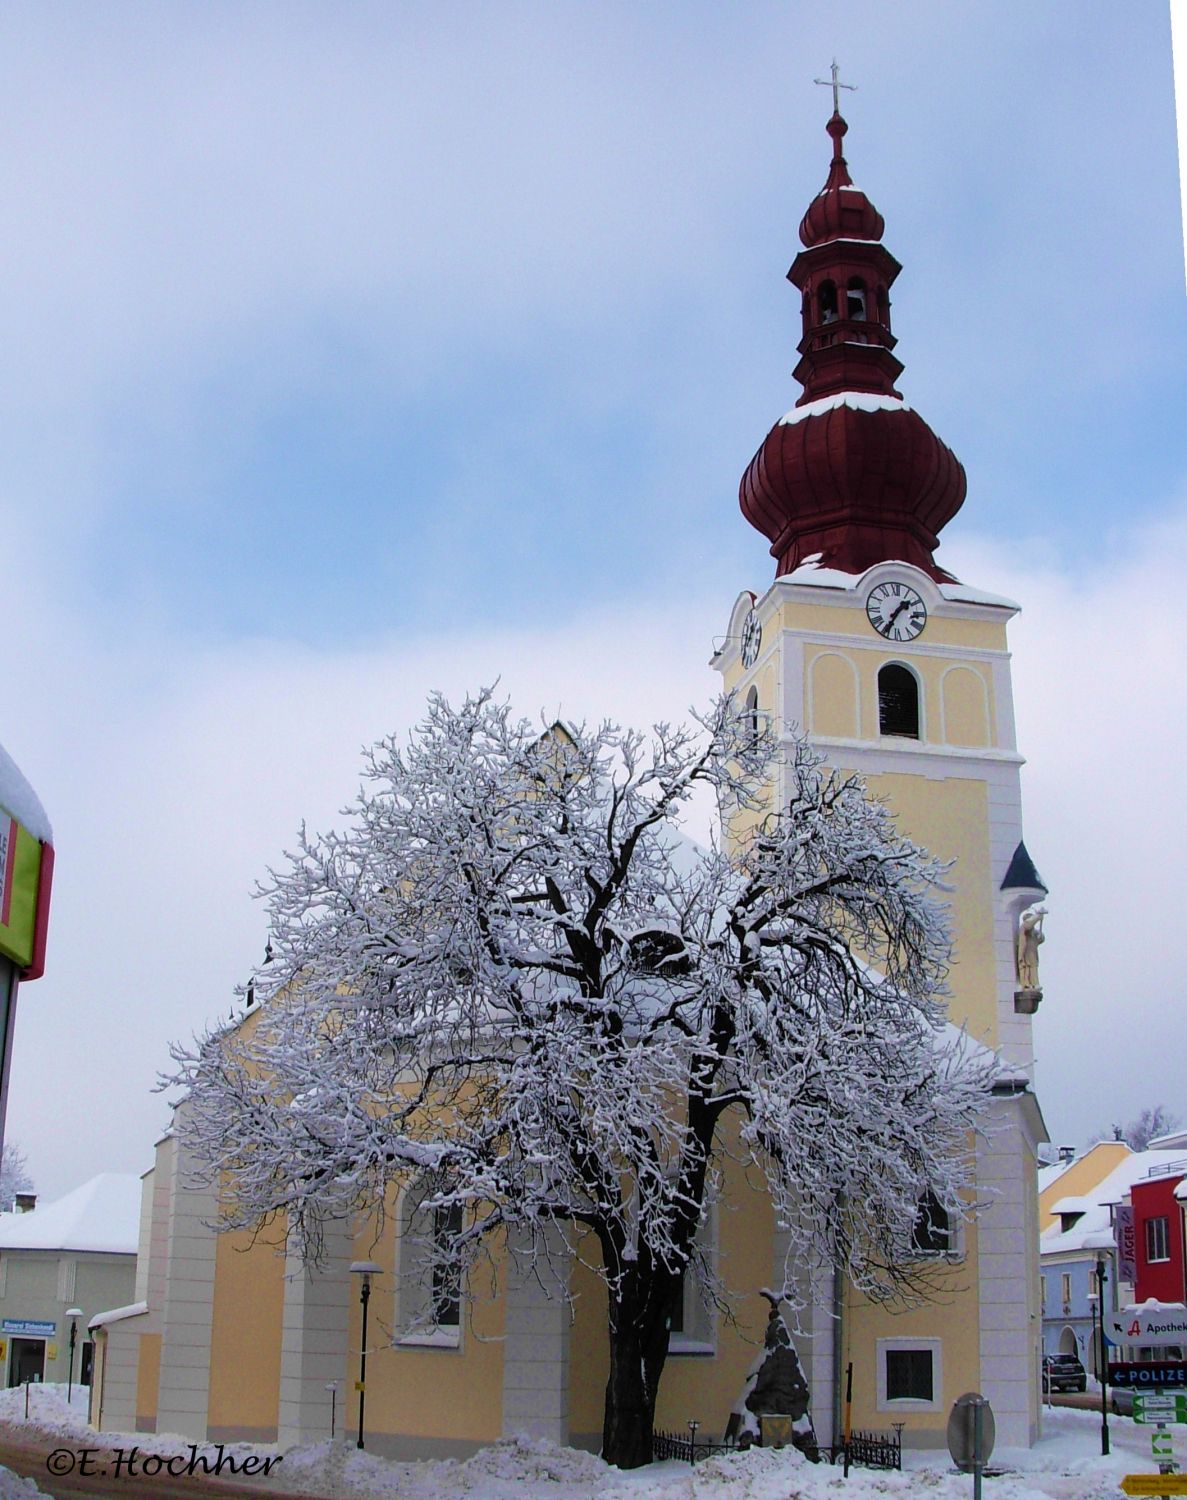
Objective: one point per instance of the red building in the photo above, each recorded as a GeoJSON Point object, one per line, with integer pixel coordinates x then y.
{"type": "Point", "coordinates": [1158, 1226]}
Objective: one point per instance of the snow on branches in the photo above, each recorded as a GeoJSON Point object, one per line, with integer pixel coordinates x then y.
{"type": "Point", "coordinates": [510, 972]}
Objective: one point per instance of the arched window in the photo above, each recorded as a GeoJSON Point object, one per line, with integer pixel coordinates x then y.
{"type": "Point", "coordinates": [883, 307]}
{"type": "Point", "coordinates": [827, 301]}
{"type": "Point", "coordinates": [429, 1282]}
{"type": "Point", "coordinates": [855, 300]}
{"type": "Point", "coordinates": [752, 728]}
{"type": "Point", "coordinates": [898, 701]}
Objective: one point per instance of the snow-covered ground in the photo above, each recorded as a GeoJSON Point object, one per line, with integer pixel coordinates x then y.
{"type": "Point", "coordinates": [1066, 1465]}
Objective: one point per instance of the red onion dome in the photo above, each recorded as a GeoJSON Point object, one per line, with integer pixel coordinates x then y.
{"type": "Point", "coordinates": [840, 210]}
{"type": "Point", "coordinates": [853, 480]}
{"type": "Point", "coordinates": [852, 475]}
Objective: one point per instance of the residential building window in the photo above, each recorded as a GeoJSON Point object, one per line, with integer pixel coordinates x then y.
{"type": "Point", "coordinates": [1066, 1290]}
{"type": "Point", "coordinates": [1157, 1239]}
{"type": "Point", "coordinates": [910, 1376]}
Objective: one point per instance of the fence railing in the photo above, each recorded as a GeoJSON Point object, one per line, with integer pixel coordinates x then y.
{"type": "Point", "coordinates": [870, 1450]}
{"type": "Point", "coordinates": [686, 1449]}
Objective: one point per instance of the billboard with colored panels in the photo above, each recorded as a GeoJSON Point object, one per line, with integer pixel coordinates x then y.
{"type": "Point", "coordinates": [20, 880]}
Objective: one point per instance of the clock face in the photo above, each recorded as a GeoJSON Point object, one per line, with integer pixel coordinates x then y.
{"type": "Point", "coordinates": [896, 611]}
{"type": "Point", "coordinates": [751, 639]}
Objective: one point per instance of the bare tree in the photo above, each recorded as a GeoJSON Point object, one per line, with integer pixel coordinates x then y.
{"type": "Point", "coordinates": [512, 980]}
{"type": "Point", "coordinates": [14, 1176]}
{"type": "Point", "coordinates": [1143, 1129]}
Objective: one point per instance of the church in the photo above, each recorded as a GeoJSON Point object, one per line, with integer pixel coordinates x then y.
{"type": "Point", "coordinates": [895, 670]}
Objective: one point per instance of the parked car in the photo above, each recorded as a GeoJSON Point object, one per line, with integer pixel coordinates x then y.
{"type": "Point", "coordinates": [1064, 1372]}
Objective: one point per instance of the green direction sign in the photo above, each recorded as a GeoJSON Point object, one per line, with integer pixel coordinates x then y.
{"type": "Point", "coordinates": [1171, 1407]}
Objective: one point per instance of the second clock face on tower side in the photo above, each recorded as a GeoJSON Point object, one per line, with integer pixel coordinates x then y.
{"type": "Point", "coordinates": [896, 611]}
{"type": "Point", "coordinates": [751, 639]}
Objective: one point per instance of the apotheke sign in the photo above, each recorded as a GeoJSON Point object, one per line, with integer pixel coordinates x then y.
{"type": "Point", "coordinates": [1153, 1326]}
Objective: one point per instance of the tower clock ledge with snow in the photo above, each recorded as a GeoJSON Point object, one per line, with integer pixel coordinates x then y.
{"type": "Point", "coordinates": [900, 672]}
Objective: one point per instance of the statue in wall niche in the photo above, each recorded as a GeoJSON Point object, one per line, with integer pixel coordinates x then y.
{"type": "Point", "coordinates": [775, 1386]}
{"type": "Point", "coordinates": [1030, 935]}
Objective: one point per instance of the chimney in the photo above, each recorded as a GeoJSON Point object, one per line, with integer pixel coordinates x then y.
{"type": "Point", "coordinates": [1067, 1153]}
{"type": "Point", "coordinates": [26, 1203]}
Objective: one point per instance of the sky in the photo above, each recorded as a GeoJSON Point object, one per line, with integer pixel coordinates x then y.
{"type": "Point", "coordinates": [348, 353]}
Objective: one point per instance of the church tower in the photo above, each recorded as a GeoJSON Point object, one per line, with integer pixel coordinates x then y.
{"type": "Point", "coordinates": [898, 671]}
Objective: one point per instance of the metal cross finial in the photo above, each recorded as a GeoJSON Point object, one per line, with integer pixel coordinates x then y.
{"type": "Point", "coordinates": [836, 84]}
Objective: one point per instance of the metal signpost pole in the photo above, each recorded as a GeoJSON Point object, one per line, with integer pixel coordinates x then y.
{"type": "Point", "coordinates": [978, 1448]}
{"type": "Point", "coordinates": [1102, 1361]}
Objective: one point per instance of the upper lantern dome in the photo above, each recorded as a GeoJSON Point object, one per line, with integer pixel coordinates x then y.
{"type": "Point", "coordinates": [851, 475]}
{"type": "Point", "coordinates": [840, 210]}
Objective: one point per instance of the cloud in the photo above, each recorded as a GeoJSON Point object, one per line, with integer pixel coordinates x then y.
{"type": "Point", "coordinates": [176, 774]}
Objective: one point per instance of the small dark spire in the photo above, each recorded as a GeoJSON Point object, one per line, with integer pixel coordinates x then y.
{"type": "Point", "coordinates": [1022, 874]}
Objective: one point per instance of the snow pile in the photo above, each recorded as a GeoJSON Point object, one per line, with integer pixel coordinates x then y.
{"type": "Point", "coordinates": [13, 1487]}
{"type": "Point", "coordinates": [1065, 1465]}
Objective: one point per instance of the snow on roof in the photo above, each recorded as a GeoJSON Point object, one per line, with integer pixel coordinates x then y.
{"type": "Point", "coordinates": [810, 573]}
{"type": "Point", "coordinates": [103, 1215]}
{"type": "Point", "coordinates": [1076, 1204]}
{"type": "Point", "coordinates": [118, 1314]}
{"type": "Point", "coordinates": [1052, 1172]}
{"type": "Point", "coordinates": [963, 593]}
{"type": "Point", "coordinates": [1094, 1229]}
{"type": "Point", "coordinates": [19, 799]}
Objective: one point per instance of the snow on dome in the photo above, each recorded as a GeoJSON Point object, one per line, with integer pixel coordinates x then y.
{"type": "Point", "coordinates": [19, 799]}
{"type": "Point", "coordinates": [101, 1215]}
{"type": "Point", "coordinates": [854, 400]}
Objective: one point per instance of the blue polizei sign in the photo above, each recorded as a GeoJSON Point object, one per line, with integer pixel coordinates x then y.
{"type": "Point", "coordinates": [1166, 1374]}
{"type": "Point", "coordinates": [28, 1327]}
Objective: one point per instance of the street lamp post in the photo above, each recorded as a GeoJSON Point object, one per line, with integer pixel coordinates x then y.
{"type": "Point", "coordinates": [73, 1313]}
{"type": "Point", "coordinates": [364, 1269]}
{"type": "Point", "coordinates": [1102, 1368]}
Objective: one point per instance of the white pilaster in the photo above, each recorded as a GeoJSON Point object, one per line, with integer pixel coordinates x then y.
{"type": "Point", "coordinates": [1007, 1241]}
{"type": "Point", "coordinates": [188, 1296]}
{"type": "Point", "coordinates": [314, 1337]}
{"type": "Point", "coordinates": [536, 1342]}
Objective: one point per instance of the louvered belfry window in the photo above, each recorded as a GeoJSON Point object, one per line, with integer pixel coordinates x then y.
{"type": "Point", "coordinates": [898, 702]}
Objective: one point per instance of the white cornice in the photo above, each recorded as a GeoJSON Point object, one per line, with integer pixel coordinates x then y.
{"type": "Point", "coordinates": [890, 751]}
{"type": "Point", "coordinates": [917, 647]}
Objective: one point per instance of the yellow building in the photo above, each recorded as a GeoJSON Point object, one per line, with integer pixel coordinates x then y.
{"type": "Point", "coordinates": [895, 670]}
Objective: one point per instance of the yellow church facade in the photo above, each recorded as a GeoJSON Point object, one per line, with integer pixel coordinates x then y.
{"type": "Point", "coordinates": [895, 671]}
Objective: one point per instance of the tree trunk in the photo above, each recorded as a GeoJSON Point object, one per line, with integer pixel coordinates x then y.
{"type": "Point", "coordinates": [638, 1351]}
